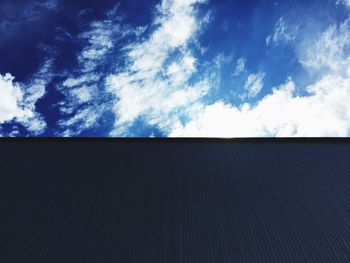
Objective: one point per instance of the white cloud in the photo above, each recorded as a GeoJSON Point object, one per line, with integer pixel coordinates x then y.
{"type": "Point", "coordinates": [240, 67]}
{"type": "Point", "coordinates": [18, 100]}
{"type": "Point", "coordinates": [85, 118]}
{"type": "Point", "coordinates": [35, 90]}
{"type": "Point", "coordinates": [282, 33]}
{"type": "Point", "coordinates": [254, 84]}
{"type": "Point", "coordinates": [100, 39]}
{"type": "Point", "coordinates": [47, 4]}
{"type": "Point", "coordinates": [345, 2]}
{"type": "Point", "coordinates": [155, 84]}
{"type": "Point", "coordinates": [11, 99]}
{"type": "Point", "coordinates": [86, 99]}
{"type": "Point", "coordinates": [162, 84]}
{"type": "Point", "coordinates": [146, 87]}
{"type": "Point", "coordinates": [323, 112]}
{"type": "Point", "coordinates": [329, 51]}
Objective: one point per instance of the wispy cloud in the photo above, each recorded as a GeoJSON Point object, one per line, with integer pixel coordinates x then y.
{"type": "Point", "coordinates": [282, 33]}
{"type": "Point", "coordinates": [240, 67]}
{"type": "Point", "coordinates": [155, 83]}
{"type": "Point", "coordinates": [330, 52]}
{"type": "Point", "coordinates": [47, 4]}
{"type": "Point", "coordinates": [86, 99]}
{"type": "Point", "coordinates": [254, 84]}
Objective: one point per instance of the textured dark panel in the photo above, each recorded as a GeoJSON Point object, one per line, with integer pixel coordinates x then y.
{"type": "Point", "coordinates": [174, 201]}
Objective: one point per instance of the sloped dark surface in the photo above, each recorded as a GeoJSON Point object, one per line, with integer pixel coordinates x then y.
{"type": "Point", "coordinates": [174, 201]}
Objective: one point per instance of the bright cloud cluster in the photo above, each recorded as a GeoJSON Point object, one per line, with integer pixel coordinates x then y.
{"type": "Point", "coordinates": [156, 76]}
{"type": "Point", "coordinates": [18, 100]}
{"type": "Point", "coordinates": [146, 90]}
{"type": "Point", "coordinates": [11, 99]}
{"type": "Point", "coordinates": [155, 84]}
{"type": "Point", "coordinates": [324, 111]}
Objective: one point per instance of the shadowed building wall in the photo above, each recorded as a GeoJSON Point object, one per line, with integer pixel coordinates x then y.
{"type": "Point", "coordinates": [182, 201]}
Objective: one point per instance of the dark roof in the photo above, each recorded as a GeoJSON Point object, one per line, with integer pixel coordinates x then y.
{"type": "Point", "coordinates": [175, 201]}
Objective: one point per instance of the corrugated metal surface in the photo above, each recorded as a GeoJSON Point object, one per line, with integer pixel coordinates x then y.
{"type": "Point", "coordinates": [174, 201]}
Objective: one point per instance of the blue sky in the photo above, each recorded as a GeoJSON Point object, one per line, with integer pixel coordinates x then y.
{"type": "Point", "coordinates": [175, 68]}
